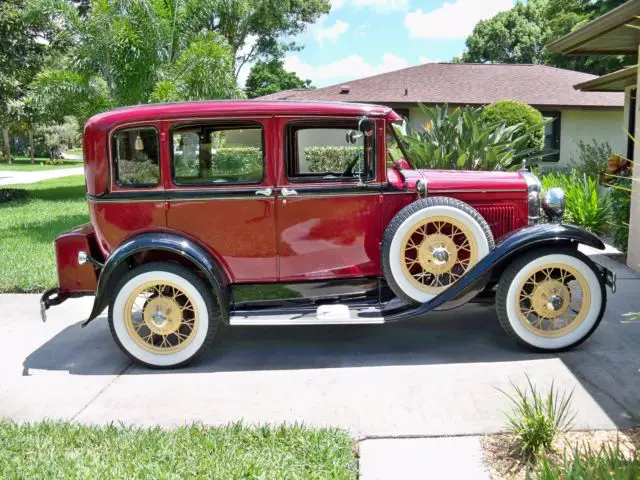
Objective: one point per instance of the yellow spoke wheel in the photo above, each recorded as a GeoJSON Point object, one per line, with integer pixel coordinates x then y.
{"type": "Point", "coordinates": [553, 300]}
{"type": "Point", "coordinates": [436, 252]}
{"type": "Point", "coordinates": [160, 317]}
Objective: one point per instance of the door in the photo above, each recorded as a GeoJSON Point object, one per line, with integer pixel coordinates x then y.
{"type": "Point", "coordinates": [329, 202]}
{"type": "Point", "coordinates": [221, 193]}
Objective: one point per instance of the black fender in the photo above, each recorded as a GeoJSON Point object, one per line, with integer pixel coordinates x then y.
{"type": "Point", "coordinates": [516, 243]}
{"type": "Point", "coordinates": [169, 242]}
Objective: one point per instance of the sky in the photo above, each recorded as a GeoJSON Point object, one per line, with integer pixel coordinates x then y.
{"type": "Point", "coordinates": [360, 38]}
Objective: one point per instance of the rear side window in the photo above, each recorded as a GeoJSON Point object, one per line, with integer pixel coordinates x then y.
{"type": "Point", "coordinates": [136, 157]}
{"type": "Point", "coordinates": [208, 154]}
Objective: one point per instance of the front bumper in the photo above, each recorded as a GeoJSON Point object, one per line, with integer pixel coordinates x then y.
{"type": "Point", "coordinates": [53, 297]}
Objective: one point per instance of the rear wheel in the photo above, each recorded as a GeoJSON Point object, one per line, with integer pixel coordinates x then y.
{"type": "Point", "coordinates": [550, 300]}
{"type": "Point", "coordinates": [163, 315]}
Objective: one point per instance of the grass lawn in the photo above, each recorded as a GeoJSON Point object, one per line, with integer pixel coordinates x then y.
{"type": "Point", "coordinates": [62, 450]}
{"type": "Point", "coordinates": [28, 228]}
{"type": "Point", "coordinates": [24, 164]}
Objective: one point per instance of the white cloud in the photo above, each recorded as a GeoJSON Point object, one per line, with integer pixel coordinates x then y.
{"type": "Point", "coordinates": [347, 68]}
{"type": "Point", "coordinates": [427, 60]}
{"type": "Point", "coordinates": [377, 5]}
{"type": "Point", "coordinates": [331, 33]}
{"type": "Point", "coordinates": [453, 19]}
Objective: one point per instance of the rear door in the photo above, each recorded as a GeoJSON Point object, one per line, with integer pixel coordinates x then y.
{"type": "Point", "coordinates": [221, 193]}
{"type": "Point", "coordinates": [329, 203]}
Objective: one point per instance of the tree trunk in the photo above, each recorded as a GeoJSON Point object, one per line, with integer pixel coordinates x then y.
{"type": "Point", "coordinates": [32, 150]}
{"type": "Point", "coordinates": [5, 140]}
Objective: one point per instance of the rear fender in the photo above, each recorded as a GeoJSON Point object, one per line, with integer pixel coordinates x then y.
{"type": "Point", "coordinates": [119, 262]}
{"type": "Point", "coordinates": [516, 243]}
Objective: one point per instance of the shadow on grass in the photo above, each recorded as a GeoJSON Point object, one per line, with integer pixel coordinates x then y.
{"type": "Point", "coordinates": [47, 231]}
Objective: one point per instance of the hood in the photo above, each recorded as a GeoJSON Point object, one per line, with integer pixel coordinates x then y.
{"type": "Point", "coordinates": [446, 181]}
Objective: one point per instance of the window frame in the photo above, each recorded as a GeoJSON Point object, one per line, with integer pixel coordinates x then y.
{"type": "Point", "coordinates": [115, 160]}
{"type": "Point", "coordinates": [325, 123]}
{"type": "Point", "coordinates": [235, 125]}
{"type": "Point", "coordinates": [556, 125]}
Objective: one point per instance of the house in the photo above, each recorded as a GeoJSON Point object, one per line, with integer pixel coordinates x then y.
{"type": "Point", "coordinates": [578, 115]}
{"type": "Point", "coordinates": [615, 33]}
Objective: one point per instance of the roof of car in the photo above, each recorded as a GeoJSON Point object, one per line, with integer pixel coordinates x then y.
{"type": "Point", "coordinates": [163, 111]}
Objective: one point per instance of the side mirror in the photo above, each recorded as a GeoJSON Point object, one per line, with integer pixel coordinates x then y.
{"type": "Point", "coordinates": [366, 126]}
{"type": "Point", "coordinates": [352, 136]}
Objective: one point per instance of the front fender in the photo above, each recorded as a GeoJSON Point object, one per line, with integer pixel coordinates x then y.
{"type": "Point", "coordinates": [516, 243]}
{"type": "Point", "coordinates": [163, 241]}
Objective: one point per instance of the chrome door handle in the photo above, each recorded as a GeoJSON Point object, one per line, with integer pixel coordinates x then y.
{"type": "Point", "coordinates": [265, 192]}
{"type": "Point", "coordinates": [286, 192]}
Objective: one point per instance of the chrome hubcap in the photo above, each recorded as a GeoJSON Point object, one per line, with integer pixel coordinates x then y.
{"type": "Point", "coordinates": [440, 256]}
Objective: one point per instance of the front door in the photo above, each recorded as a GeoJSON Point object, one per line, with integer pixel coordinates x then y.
{"type": "Point", "coordinates": [329, 202]}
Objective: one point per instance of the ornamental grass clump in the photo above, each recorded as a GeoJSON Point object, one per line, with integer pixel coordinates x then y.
{"type": "Point", "coordinates": [536, 419]}
{"type": "Point", "coordinates": [462, 139]}
{"type": "Point", "coordinates": [609, 462]}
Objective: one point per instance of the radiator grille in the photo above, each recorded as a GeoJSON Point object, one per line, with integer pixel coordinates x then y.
{"type": "Point", "coordinates": [499, 217]}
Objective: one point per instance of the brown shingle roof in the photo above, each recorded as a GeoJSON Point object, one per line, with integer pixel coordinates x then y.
{"type": "Point", "coordinates": [466, 84]}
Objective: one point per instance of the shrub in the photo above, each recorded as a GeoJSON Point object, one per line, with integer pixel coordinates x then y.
{"type": "Point", "coordinates": [329, 159]}
{"type": "Point", "coordinates": [511, 112]}
{"type": "Point", "coordinates": [139, 173]}
{"type": "Point", "coordinates": [620, 197]}
{"type": "Point", "coordinates": [12, 194]}
{"type": "Point", "coordinates": [592, 158]}
{"type": "Point", "coordinates": [586, 205]}
{"type": "Point", "coordinates": [537, 419]}
{"type": "Point", "coordinates": [463, 140]}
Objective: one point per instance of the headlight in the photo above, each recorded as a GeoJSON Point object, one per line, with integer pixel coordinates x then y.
{"type": "Point", "coordinates": [553, 203]}
{"type": "Point", "coordinates": [533, 196]}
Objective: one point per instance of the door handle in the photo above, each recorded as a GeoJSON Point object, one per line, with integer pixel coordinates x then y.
{"type": "Point", "coordinates": [265, 192]}
{"type": "Point", "coordinates": [286, 192]}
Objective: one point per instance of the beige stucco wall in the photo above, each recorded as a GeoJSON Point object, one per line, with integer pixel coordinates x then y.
{"type": "Point", "coordinates": [575, 125]}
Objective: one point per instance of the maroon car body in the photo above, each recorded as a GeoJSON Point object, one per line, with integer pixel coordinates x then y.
{"type": "Point", "coordinates": [320, 238]}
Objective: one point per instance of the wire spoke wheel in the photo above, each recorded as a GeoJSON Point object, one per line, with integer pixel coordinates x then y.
{"type": "Point", "coordinates": [160, 317]}
{"type": "Point", "coordinates": [553, 300]}
{"type": "Point", "coordinates": [436, 252]}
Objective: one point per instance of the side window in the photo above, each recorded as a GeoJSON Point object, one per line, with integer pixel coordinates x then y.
{"type": "Point", "coordinates": [217, 154]}
{"type": "Point", "coordinates": [335, 151]}
{"type": "Point", "coordinates": [136, 157]}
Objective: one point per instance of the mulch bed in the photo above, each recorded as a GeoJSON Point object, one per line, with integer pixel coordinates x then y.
{"type": "Point", "coordinates": [505, 463]}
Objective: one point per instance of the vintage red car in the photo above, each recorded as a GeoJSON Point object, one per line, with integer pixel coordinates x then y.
{"type": "Point", "coordinates": [282, 213]}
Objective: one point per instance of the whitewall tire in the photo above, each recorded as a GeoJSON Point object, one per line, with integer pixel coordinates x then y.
{"type": "Point", "coordinates": [162, 315]}
{"type": "Point", "coordinates": [551, 300]}
{"type": "Point", "coordinates": [430, 244]}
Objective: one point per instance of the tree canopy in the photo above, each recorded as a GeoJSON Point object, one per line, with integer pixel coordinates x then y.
{"type": "Point", "coordinates": [519, 35]}
{"type": "Point", "coordinates": [271, 77]}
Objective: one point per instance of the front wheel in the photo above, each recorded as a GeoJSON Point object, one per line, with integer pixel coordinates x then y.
{"type": "Point", "coordinates": [162, 315]}
{"type": "Point", "coordinates": [550, 300]}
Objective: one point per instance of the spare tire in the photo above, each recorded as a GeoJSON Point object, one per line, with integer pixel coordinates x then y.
{"type": "Point", "coordinates": [430, 244]}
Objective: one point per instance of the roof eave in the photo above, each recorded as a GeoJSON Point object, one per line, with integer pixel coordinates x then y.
{"type": "Point", "coordinates": [616, 18]}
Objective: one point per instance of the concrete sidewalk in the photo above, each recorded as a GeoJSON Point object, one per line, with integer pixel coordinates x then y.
{"type": "Point", "coordinates": [13, 177]}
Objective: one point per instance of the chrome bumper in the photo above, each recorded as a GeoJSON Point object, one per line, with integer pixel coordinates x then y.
{"type": "Point", "coordinates": [50, 298]}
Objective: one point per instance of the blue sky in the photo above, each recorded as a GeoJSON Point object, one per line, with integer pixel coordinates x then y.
{"type": "Point", "coordinates": [360, 38]}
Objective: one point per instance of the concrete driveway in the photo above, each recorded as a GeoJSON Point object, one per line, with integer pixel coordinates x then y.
{"type": "Point", "coordinates": [437, 376]}
{"type": "Point", "coordinates": [11, 177]}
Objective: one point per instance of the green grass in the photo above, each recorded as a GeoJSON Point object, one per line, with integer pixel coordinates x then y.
{"type": "Point", "coordinates": [62, 450]}
{"type": "Point", "coordinates": [23, 164]}
{"type": "Point", "coordinates": [29, 227]}
{"type": "Point", "coordinates": [75, 151]}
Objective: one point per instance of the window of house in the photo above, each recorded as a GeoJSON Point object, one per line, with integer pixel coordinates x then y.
{"type": "Point", "coordinates": [217, 154]}
{"type": "Point", "coordinates": [332, 151]}
{"type": "Point", "coordinates": [136, 157]}
{"type": "Point", "coordinates": [552, 137]}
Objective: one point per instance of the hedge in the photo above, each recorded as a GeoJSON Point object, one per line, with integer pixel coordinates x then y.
{"type": "Point", "coordinates": [330, 159]}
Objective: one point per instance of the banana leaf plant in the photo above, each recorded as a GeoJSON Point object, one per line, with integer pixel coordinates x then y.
{"type": "Point", "coordinates": [460, 140]}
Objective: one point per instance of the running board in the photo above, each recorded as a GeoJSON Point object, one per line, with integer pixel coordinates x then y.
{"type": "Point", "coordinates": [324, 315]}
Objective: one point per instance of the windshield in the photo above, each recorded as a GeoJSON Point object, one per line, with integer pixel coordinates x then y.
{"type": "Point", "coordinates": [396, 153]}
